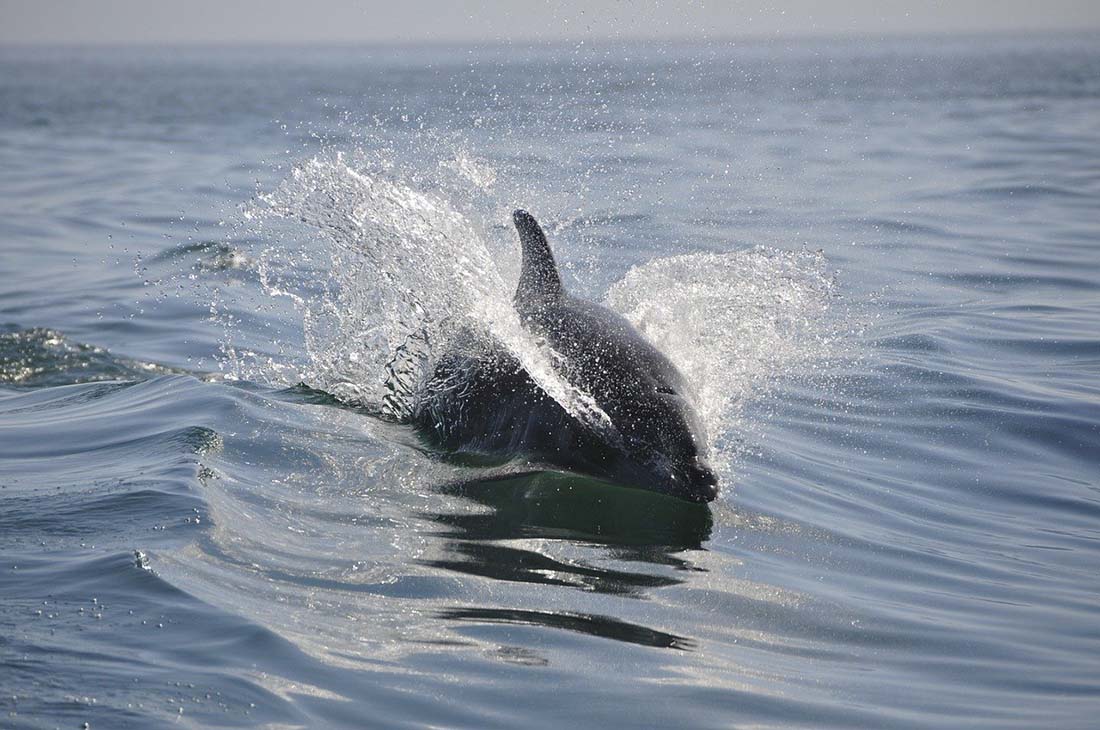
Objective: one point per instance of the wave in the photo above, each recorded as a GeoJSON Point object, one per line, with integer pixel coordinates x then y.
{"type": "Point", "coordinates": [41, 357]}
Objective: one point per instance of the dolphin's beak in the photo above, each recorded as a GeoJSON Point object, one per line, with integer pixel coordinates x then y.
{"type": "Point", "coordinates": [701, 485]}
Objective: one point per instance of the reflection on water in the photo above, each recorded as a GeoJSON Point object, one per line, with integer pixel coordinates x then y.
{"type": "Point", "coordinates": [602, 626]}
{"type": "Point", "coordinates": [643, 525]}
{"type": "Point", "coordinates": [630, 526]}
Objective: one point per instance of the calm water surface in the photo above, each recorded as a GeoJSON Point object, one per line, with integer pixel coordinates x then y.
{"type": "Point", "coordinates": [886, 291]}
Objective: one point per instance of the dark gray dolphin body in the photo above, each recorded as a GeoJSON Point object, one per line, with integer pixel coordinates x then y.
{"type": "Point", "coordinates": [480, 401]}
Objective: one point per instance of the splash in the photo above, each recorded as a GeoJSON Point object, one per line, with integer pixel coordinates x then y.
{"type": "Point", "coordinates": [410, 277]}
{"type": "Point", "coordinates": [734, 323]}
{"type": "Point", "coordinates": [390, 273]}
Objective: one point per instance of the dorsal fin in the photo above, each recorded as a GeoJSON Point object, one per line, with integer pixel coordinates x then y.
{"type": "Point", "coordinates": [538, 280]}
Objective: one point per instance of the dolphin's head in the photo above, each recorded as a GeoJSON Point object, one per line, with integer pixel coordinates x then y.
{"type": "Point", "coordinates": [664, 447]}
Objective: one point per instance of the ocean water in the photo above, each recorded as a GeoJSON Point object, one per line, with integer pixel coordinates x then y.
{"type": "Point", "coordinates": [223, 269]}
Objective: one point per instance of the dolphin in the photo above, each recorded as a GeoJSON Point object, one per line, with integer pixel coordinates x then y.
{"type": "Point", "coordinates": [478, 400]}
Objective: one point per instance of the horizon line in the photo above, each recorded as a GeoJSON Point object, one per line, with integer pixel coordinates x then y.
{"type": "Point", "coordinates": [754, 38]}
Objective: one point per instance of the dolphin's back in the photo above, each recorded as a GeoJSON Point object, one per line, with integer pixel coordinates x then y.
{"type": "Point", "coordinates": [605, 354]}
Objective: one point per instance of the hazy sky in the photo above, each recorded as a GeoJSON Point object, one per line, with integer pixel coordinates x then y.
{"type": "Point", "coordinates": [281, 21]}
